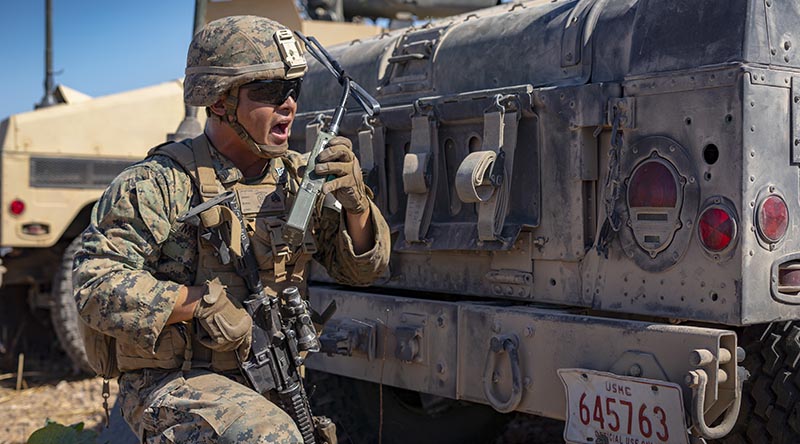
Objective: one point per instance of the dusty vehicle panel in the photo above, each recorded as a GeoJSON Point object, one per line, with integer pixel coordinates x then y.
{"type": "Point", "coordinates": [647, 149]}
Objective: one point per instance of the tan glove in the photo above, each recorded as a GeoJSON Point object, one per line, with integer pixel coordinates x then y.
{"type": "Point", "coordinates": [348, 187]}
{"type": "Point", "coordinates": [227, 324]}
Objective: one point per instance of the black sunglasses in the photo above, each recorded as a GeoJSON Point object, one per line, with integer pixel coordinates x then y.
{"type": "Point", "coordinates": [273, 92]}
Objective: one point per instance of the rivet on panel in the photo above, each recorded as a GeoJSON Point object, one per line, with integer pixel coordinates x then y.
{"type": "Point", "coordinates": [635, 371]}
{"type": "Point", "coordinates": [529, 331]}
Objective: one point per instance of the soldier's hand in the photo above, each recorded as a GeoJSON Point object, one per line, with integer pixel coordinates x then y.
{"type": "Point", "coordinates": [348, 186]}
{"type": "Point", "coordinates": [226, 322]}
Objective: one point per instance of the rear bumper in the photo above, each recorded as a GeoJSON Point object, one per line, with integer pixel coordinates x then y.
{"type": "Point", "coordinates": [450, 349]}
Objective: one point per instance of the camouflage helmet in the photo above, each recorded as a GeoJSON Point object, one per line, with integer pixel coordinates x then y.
{"type": "Point", "coordinates": [232, 51]}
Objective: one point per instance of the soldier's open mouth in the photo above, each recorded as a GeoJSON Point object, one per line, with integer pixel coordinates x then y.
{"type": "Point", "coordinates": [280, 131]}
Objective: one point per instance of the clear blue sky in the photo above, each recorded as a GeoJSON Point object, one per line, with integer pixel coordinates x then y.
{"type": "Point", "coordinates": [100, 47]}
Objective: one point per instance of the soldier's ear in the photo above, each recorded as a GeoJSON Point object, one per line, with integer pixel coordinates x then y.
{"type": "Point", "coordinates": [218, 107]}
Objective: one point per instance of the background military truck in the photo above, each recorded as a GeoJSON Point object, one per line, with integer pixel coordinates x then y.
{"type": "Point", "coordinates": [593, 206]}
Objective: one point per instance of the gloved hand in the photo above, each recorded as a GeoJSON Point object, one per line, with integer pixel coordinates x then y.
{"type": "Point", "coordinates": [348, 187]}
{"type": "Point", "coordinates": [227, 323]}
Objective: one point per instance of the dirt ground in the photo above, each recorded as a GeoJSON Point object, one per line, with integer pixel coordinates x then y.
{"type": "Point", "coordinates": [66, 401]}
{"type": "Point", "coordinates": [69, 400]}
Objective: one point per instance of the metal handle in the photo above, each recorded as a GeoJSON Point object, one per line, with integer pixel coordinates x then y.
{"type": "Point", "coordinates": [499, 345]}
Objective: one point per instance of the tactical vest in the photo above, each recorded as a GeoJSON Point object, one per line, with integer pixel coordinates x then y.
{"type": "Point", "coordinates": [265, 206]}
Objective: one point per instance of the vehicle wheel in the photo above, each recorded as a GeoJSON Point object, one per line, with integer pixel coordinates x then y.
{"type": "Point", "coordinates": [64, 312]}
{"type": "Point", "coordinates": [407, 416]}
{"type": "Point", "coordinates": [770, 410]}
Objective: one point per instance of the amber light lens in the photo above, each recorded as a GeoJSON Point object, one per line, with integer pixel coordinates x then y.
{"type": "Point", "coordinates": [17, 207]}
{"type": "Point", "coordinates": [717, 229]}
{"type": "Point", "coordinates": [652, 185]}
{"type": "Point", "coordinates": [773, 218]}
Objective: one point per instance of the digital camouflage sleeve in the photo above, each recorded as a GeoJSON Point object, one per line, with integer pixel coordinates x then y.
{"type": "Point", "coordinates": [135, 255]}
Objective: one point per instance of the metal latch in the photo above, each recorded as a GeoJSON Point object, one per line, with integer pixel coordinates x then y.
{"type": "Point", "coordinates": [349, 337]}
{"type": "Point", "coordinates": [409, 343]}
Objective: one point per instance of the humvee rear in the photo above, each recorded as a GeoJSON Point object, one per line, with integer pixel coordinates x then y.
{"type": "Point", "coordinates": [592, 206]}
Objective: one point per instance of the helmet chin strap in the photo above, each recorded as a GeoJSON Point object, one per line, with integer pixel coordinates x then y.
{"type": "Point", "coordinates": [259, 149]}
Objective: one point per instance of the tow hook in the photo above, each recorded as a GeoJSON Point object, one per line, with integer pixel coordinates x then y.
{"type": "Point", "coordinates": [698, 381]}
{"type": "Point", "coordinates": [497, 346]}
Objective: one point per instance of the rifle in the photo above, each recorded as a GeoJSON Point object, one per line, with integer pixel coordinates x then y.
{"type": "Point", "coordinates": [299, 216]}
{"type": "Point", "coordinates": [281, 328]}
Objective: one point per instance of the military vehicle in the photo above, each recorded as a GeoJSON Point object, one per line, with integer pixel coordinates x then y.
{"type": "Point", "coordinates": [593, 209]}
{"type": "Point", "coordinates": [592, 206]}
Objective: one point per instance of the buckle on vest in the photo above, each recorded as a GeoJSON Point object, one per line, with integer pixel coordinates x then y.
{"type": "Point", "coordinates": [280, 249]}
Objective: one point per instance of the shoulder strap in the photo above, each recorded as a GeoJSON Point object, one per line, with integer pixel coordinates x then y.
{"type": "Point", "coordinates": [196, 161]}
{"type": "Point", "coordinates": [178, 152]}
{"type": "Point", "coordinates": [209, 186]}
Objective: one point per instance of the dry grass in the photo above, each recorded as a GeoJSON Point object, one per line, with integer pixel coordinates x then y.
{"type": "Point", "coordinates": [66, 401]}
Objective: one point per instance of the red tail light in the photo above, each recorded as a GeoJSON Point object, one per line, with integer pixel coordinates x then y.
{"type": "Point", "coordinates": [772, 218]}
{"type": "Point", "coordinates": [717, 229]}
{"type": "Point", "coordinates": [17, 207]}
{"type": "Point", "coordinates": [653, 185]}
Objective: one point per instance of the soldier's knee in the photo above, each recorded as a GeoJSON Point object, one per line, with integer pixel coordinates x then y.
{"type": "Point", "coordinates": [257, 426]}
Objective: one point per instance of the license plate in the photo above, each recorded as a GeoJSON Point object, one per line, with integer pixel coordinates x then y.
{"type": "Point", "coordinates": [607, 408]}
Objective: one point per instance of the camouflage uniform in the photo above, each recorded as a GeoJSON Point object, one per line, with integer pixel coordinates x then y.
{"type": "Point", "coordinates": [136, 257]}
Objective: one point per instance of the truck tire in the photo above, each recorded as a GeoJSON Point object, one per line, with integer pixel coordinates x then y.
{"type": "Point", "coordinates": [770, 409]}
{"type": "Point", "coordinates": [354, 406]}
{"type": "Point", "coordinates": [64, 312]}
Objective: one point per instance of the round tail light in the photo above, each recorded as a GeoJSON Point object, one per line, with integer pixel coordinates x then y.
{"type": "Point", "coordinates": [653, 185]}
{"type": "Point", "coordinates": [717, 229]}
{"type": "Point", "coordinates": [772, 218]}
{"type": "Point", "coordinates": [17, 207]}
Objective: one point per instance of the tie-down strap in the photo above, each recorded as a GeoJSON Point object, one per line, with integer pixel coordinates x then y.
{"type": "Point", "coordinates": [419, 177]}
{"type": "Point", "coordinates": [484, 177]}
